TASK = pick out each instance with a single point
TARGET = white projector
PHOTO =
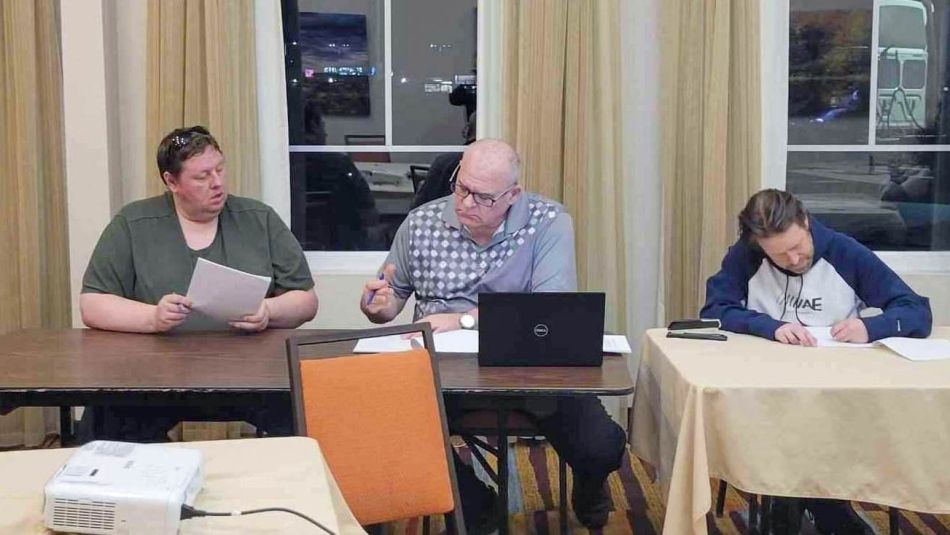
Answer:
(116, 488)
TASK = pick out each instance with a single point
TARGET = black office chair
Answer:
(762, 523)
(502, 421)
(418, 174)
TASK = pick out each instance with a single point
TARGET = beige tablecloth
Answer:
(239, 474)
(859, 424)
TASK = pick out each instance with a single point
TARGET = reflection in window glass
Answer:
(434, 56)
(334, 63)
(885, 200)
(829, 72)
(912, 61)
(355, 201)
(903, 25)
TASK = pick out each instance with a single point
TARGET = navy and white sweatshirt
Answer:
(750, 294)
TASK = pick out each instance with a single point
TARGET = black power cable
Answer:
(188, 511)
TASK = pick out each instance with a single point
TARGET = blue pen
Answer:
(372, 293)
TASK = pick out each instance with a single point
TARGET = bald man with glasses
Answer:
(491, 236)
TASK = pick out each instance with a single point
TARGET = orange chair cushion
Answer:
(377, 420)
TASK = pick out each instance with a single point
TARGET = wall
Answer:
(339, 303)
(86, 123)
(935, 286)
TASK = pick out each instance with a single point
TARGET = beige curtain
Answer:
(34, 267)
(202, 70)
(562, 112)
(711, 138)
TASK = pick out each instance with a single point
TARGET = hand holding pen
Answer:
(378, 294)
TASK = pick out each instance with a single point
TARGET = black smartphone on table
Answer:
(717, 337)
(682, 325)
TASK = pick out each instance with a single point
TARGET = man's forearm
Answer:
(115, 313)
(289, 310)
(387, 314)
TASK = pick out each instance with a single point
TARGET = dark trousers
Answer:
(152, 423)
(831, 516)
(581, 432)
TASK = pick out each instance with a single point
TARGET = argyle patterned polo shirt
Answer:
(437, 260)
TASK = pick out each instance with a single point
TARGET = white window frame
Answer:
(275, 186)
(774, 28)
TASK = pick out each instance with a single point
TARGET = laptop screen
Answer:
(541, 329)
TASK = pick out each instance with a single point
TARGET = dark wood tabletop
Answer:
(81, 365)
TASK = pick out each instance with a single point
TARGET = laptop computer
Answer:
(540, 329)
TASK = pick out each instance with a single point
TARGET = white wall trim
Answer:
(906, 262)
(85, 121)
(345, 262)
(773, 31)
(488, 114)
(272, 108)
(868, 148)
(640, 67)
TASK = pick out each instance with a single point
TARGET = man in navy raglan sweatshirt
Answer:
(788, 271)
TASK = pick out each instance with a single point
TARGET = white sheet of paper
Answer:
(460, 341)
(917, 348)
(823, 335)
(225, 293)
(616, 343)
(383, 344)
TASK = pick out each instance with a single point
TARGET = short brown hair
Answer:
(181, 144)
(770, 212)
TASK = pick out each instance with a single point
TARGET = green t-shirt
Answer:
(142, 254)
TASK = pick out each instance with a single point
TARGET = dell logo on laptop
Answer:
(541, 330)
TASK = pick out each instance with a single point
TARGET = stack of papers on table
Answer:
(909, 348)
(823, 335)
(459, 341)
(918, 348)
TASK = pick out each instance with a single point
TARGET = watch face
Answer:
(467, 321)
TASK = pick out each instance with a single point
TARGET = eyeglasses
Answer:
(179, 140)
(481, 199)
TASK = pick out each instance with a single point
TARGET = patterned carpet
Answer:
(637, 503)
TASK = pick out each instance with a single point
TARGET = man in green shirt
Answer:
(140, 270)
(142, 265)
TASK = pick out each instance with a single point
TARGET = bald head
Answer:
(494, 161)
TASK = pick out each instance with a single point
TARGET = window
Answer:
(381, 97)
(868, 148)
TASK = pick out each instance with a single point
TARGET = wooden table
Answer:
(72, 367)
(238, 474)
(81, 367)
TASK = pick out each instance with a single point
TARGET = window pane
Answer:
(885, 200)
(433, 55)
(334, 63)
(355, 201)
(829, 72)
(912, 69)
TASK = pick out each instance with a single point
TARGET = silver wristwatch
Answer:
(467, 321)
